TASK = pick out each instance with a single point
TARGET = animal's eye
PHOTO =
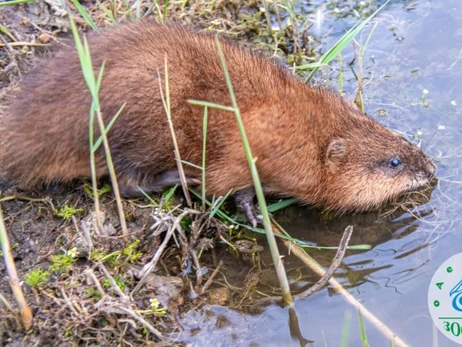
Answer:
(395, 163)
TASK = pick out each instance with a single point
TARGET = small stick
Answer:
(20, 44)
(142, 321)
(346, 295)
(25, 198)
(166, 102)
(13, 279)
(91, 274)
(68, 302)
(6, 303)
(86, 234)
(204, 153)
(114, 285)
(342, 247)
(112, 174)
(324, 279)
(152, 264)
(212, 276)
(198, 270)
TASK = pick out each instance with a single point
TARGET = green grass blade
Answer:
(362, 247)
(212, 105)
(369, 37)
(108, 127)
(100, 77)
(324, 339)
(93, 86)
(362, 330)
(85, 62)
(154, 3)
(340, 76)
(85, 15)
(343, 42)
(7, 33)
(345, 330)
(309, 66)
(281, 204)
(304, 244)
(298, 242)
(151, 200)
(277, 261)
(78, 41)
(89, 72)
(165, 12)
(15, 2)
(128, 9)
(169, 195)
(217, 207)
(83, 58)
(289, 8)
(191, 164)
(107, 13)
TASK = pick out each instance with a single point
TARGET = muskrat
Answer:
(310, 143)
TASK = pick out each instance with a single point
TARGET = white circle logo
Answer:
(445, 298)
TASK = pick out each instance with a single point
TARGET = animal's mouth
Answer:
(417, 191)
(420, 182)
(422, 178)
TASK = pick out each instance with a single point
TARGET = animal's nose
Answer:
(431, 170)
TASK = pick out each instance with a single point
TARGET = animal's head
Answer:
(366, 165)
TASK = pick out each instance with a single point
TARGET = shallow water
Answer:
(417, 45)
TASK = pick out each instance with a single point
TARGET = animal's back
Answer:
(46, 135)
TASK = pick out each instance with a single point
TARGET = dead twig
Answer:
(198, 269)
(166, 103)
(114, 285)
(300, 253)
(111, 306)
(91, 276)
(13, 279)
(21, 44)
(211, 278)
(152, 264)
(324, 279)
(342, 247)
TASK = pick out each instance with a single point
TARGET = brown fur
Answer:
(310, 143)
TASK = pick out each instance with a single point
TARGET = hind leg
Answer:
(129, 186)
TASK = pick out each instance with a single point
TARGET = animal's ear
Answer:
(336, 150)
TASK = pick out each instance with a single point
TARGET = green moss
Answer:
(60, 263)
(131, 252)
(37, 277)
(106, 188)
(66, 212)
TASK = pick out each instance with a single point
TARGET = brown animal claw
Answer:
(244, 202)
